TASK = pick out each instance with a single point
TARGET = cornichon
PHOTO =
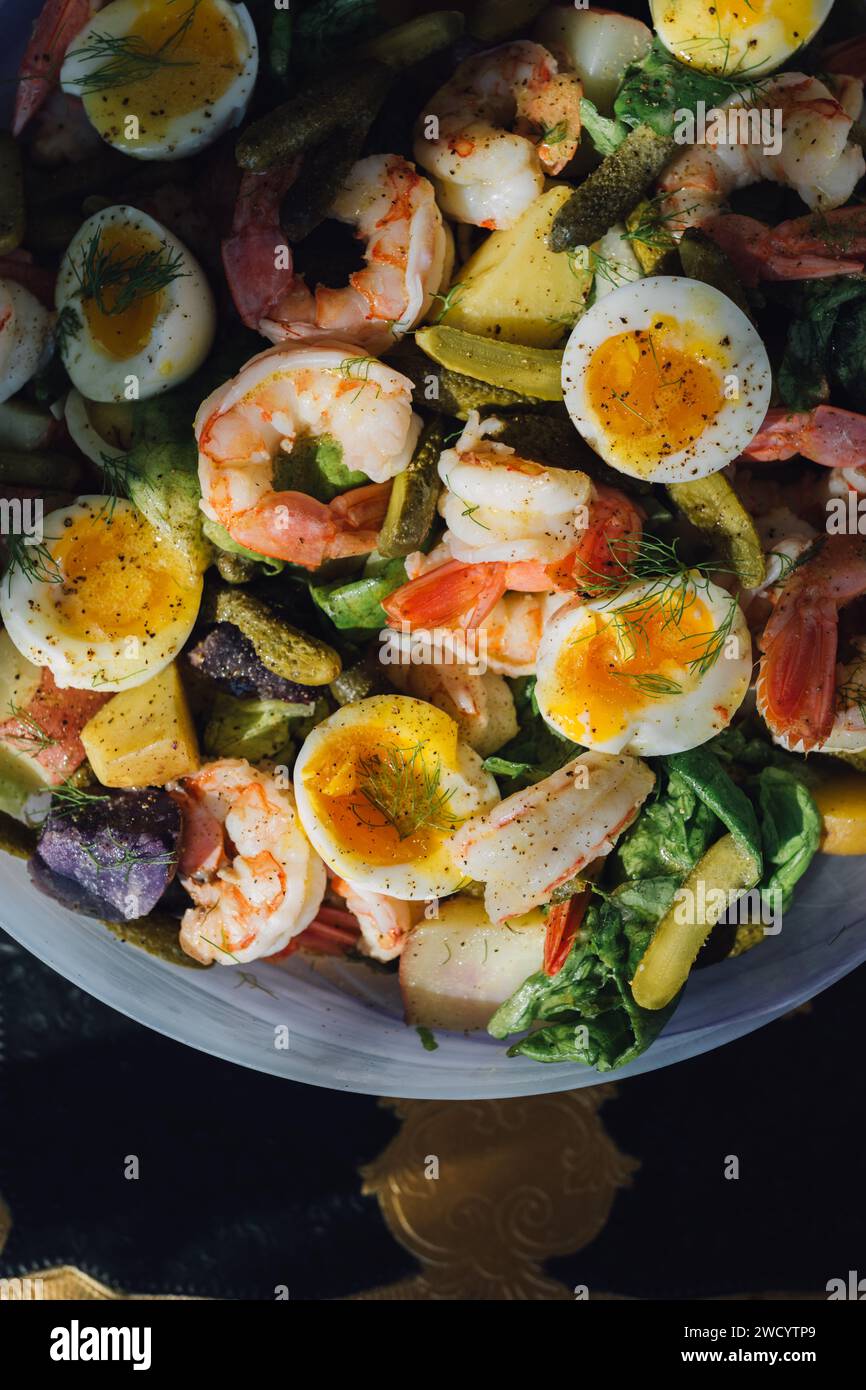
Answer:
(357, 682)
(649, 239)
(712, 506)
(701, 259)
(415, 40)
(453, 393)
(530, 371)
(719, 877)
(39, 468)
(415, 491)
(282, 648)
(495, 19)
(611, 190)
(11, 194)
(319, 180)
(344, 100)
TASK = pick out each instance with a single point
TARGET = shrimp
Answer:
(385, 922)
(539, 838)
(393, 210)
(814, 154)
(281, 395)
(256, 257)
(827, 435)
(505, 119)
(797, 681)
(805, 248)
(246, 863)
(58, 23)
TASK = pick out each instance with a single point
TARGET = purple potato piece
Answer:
(117, 853)
(229, 659)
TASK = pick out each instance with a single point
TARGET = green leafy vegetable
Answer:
(817, 342)
(702, 772)
(659, 85)
(790, 831)
(252, 729)
(162, 481)
(358, 606)
(535, 751)
(606, 134)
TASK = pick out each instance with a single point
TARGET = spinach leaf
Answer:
(659, 85)
(848, 352)
(535, 751)
(588, 1006)
(790, 830)
(811, 347)
(701, 770)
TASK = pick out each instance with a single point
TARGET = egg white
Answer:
(25, 337)
(650, 723)
(183, 330)
(391, 721)
(94, 444)
(29, 607)
(183, 134)
(731, 36)
(704, 315)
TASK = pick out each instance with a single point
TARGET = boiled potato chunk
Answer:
(457, 968)
(841, 799)
(143, 737)
(515, 288)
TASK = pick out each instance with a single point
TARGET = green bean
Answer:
(611, 190)
(345, 100)
(11, 195)
(416, 40)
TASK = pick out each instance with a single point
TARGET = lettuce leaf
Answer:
(817, 336)
(790, 831)
(535, 751)
(357, 606)
(654, 89)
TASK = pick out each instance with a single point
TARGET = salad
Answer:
(432, 452)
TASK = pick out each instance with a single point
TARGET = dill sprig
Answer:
(130, 277)
(554, 134)
(655, 229)
(469, 508)
(669, 588)
(33, 560)
(407, 793)
(68, 326)
(121, 59)
(358, 369)
(448, 300)
(129, 858)
(650, 682)
(117, 473)
(69, 798)
(32, 738)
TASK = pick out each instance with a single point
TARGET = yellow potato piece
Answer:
(515, 288)
(143, 737)
(841, 799)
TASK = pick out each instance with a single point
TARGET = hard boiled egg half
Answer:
(160, 79)
(659, 668)
(136, 314)
(380, 788)
(25, 337)
(732, 37)
(106, 604)
(667, 379)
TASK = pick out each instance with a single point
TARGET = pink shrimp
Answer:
(827, 435)
(804, 248)
(256, 257)
(57, 25)
(284, 394)
(462, 595)
(797, 684)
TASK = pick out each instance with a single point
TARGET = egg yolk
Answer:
(125, 332)
(652, 396)
(199, 51)
(715, 34)
(613, 667)
(379, 798)
(118, 581)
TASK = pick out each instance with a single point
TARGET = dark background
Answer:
(248, 1181)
